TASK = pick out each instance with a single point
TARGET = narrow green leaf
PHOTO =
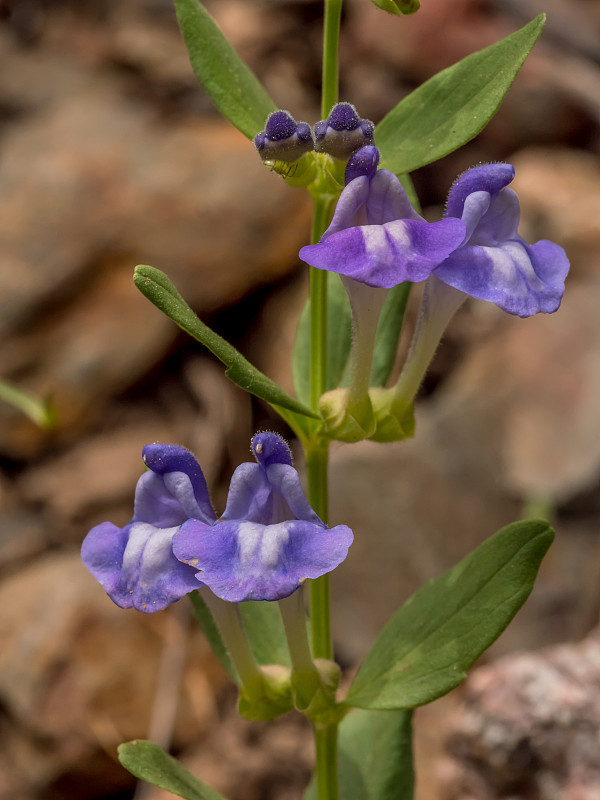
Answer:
(209, 628)
(423, 651)
(265, 632)
(41, 412)
(149, 762)
(388, 333)
(233, 87)
(339, 340)
(155, 285)
(375, 757)
(451, 108)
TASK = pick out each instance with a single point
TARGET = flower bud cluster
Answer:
(339, 136)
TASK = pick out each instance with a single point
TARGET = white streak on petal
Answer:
(377, 245)
(147, 554)
(274, 540)
(398, 235)
(249, 539)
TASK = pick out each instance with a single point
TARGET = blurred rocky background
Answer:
(111, 155)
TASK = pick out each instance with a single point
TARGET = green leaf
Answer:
(388, 334)
(375, 757)
(155, 285)
(209, 628)
(398, 7)
(41, 412)
(265, 632)
(339, 340)
(232, 86)
(149, 762)
(423, 651)
(451, 108)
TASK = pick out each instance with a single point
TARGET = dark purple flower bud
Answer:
(364, 162)
(283, 139)
(343, 132)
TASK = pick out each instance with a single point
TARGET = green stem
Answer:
(318, 309)
(326, 766)
(317, 452)
(316, 465)
(331, 38)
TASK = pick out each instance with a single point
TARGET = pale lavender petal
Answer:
(102, 554)
(490, 178)
(155, 504)
(136, 566)
(351, 201)
(188, 487)
(387, 200)
(151, 577)
(386, 255)
(270, 491)
(250, 495)
(243, 560)
(286, 483)
(498, 222)
(521, 279)
(474, 208)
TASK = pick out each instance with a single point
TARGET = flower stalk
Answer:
(438, 305)
(228, 620)
(305, 676)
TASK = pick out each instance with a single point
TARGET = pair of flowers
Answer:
(267, 542)
(376, 238)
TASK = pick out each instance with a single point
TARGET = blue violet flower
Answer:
(269, 539)
(135, 564)
(494, 263)
(376, 237)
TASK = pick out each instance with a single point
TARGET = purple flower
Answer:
(269, 539)
(135, 564)
(343, 132)
(494, 263)
(376, 237)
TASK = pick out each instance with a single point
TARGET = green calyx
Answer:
(344, 421)
(272, 698)
(315, 693)
(321, 174)
(392, 423)
(376, 417)
(299, 173)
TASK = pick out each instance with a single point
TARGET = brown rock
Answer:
(114, 188)
(78, 675)
(529, 395)
(528, 727)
